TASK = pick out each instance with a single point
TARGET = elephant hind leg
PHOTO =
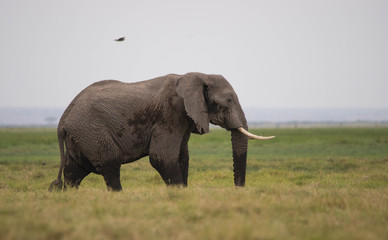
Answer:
(111, 174)
(74, 173)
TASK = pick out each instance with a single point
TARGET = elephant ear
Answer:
(191, 87)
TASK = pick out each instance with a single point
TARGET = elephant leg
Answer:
(184, 163)
(111, 174)
(184, 159)
(73, 172)
(164, 157)
(169, 155)
(169, 170)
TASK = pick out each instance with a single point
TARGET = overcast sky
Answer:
(276, 54)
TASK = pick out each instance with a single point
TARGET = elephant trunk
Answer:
(240, 148)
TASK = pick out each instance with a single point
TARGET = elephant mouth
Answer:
(221, 121)
(250, 135)
(224, 121)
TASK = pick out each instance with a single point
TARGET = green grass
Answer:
(304, 184)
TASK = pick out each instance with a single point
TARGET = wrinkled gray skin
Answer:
(112, 123)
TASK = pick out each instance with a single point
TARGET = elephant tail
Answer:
(58, 183)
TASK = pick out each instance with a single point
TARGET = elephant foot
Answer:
(113, 184)
(56, 185)
(111, 174)
(176, 185)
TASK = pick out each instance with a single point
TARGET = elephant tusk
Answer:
(253, 136)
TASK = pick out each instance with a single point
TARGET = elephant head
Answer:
(211, 99)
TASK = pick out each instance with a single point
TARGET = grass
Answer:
(304, 184)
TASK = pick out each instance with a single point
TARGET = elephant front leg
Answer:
(184, 162)
(168, 168)
(166, 157)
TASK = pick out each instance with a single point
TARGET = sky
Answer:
(276, 54)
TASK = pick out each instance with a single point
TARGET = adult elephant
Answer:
(111, 123)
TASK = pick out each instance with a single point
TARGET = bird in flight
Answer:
(120, 39)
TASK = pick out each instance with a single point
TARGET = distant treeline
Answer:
(260, 117)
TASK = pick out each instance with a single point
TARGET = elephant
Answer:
(111, 123)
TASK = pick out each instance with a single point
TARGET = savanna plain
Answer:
(316, 183)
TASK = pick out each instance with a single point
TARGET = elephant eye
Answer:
(229, 100)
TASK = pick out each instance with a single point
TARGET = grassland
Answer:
(305, 184)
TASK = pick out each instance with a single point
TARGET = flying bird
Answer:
(120, 39)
